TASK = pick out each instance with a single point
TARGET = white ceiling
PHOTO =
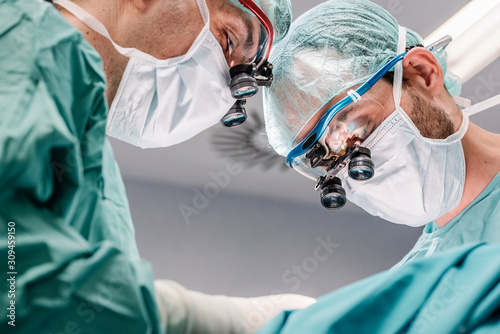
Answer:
(190, 164)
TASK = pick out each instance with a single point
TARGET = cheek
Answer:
(382, 93)
(407, 103)
(171, 34)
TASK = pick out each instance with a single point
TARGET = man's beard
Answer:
(433, 122)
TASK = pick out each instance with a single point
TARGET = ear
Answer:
(423, 72)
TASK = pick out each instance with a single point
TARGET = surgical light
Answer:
(475, 30)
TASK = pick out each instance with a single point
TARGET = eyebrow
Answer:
(352, 107)
(249, 43)
(344, 111)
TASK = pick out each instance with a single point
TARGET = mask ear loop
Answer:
(205, 14)
(398, 73)
(462, 102)
(483, 105)
(93, 23)
(90, 21)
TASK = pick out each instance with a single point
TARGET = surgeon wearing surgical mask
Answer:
(372, 116)
(163, 72)
(176, 68)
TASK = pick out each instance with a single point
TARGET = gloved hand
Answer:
(190, 312)
(257, 311)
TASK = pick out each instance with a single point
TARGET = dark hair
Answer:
(389, 77)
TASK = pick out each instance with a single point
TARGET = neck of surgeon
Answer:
(424, 77)
(482, 159)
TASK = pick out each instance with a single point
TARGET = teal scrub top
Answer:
(76, 264)
(479, 222)
(453, 292)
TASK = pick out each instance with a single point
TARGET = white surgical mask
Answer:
(417, 179)
(160, 103)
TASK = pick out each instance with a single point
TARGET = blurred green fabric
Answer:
(77, 264)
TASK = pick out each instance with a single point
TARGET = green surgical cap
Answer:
(279, 13)
(329, 49)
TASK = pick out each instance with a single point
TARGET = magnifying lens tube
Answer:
(361, 165)
(332, 194)
(245, 80)
(361, 168)
(236, 115)
(243, 83)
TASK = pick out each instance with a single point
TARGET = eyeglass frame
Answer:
(353, 95)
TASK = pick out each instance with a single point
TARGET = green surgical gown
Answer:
(77, 268)
(457, 291)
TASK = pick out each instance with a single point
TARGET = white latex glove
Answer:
(190, 312)
(257, 311)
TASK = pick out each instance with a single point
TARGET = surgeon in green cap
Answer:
(361, 107)
(70, 260)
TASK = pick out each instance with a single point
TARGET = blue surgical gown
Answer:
(77, 268)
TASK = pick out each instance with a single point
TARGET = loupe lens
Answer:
(361, 173)
(333, 195)
(243, 84)
(244, 91)
(361, 167)
(234, 120)
(333, 200)
(236, 115)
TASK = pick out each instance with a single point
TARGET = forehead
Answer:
(299, 88)
(307, 79)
